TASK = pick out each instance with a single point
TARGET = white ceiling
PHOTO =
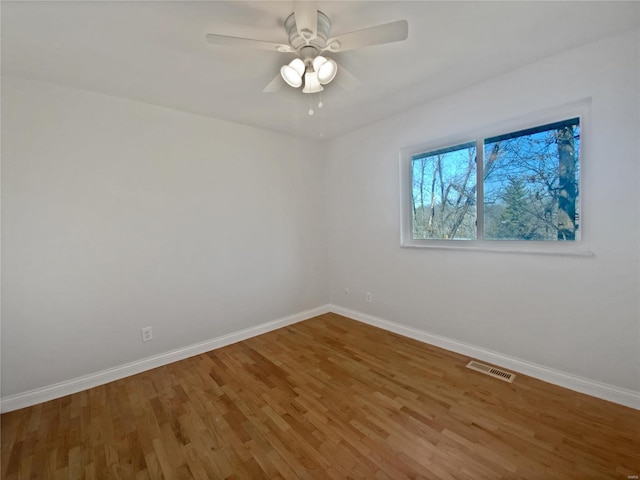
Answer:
(155, 52)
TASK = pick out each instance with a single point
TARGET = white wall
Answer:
(576, 314)
(117, 215)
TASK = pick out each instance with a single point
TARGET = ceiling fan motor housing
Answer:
(308, 49)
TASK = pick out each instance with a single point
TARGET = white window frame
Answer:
(580, 109)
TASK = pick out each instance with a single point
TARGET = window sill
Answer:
(504, 247)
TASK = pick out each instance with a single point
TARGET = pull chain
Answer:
(310, 107)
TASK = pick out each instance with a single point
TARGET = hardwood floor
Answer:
(328, 398)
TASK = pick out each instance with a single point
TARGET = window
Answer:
(528, 198)
(444, 193)
(531, 183)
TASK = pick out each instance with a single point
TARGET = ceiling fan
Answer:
(308, 32)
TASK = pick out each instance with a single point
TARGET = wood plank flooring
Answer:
(328, 398)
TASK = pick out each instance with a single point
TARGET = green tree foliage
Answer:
(444, 194)
(539, 167)
(516, 221)
(530, 187)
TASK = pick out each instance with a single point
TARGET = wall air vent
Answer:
(491, 371)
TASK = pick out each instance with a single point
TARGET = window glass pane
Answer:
(531, 180)
(444, 193)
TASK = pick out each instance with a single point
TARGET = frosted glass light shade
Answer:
(298, 65)
(325, 68)
(311, 83)
(318, 62)
(292, 73)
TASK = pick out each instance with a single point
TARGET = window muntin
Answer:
(536, 169)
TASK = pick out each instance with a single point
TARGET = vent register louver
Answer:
(491, 371)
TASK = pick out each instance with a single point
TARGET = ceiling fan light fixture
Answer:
(311, 83)
(318, 61)
(292, 73)
(298, 65)
(291, 76)
(326, 70)
(308, 32)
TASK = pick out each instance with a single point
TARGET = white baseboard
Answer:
(50, 392)
(622, 396)
(604, 391)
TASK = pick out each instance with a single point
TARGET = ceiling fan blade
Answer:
(386, 33)
(225, 40)
(306, 15)
(274, 85)
(346, 79)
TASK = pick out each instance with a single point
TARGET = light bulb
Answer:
(311, 111)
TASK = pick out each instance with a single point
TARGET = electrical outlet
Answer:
(147, 334)
(346, 291)
(368, 297)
